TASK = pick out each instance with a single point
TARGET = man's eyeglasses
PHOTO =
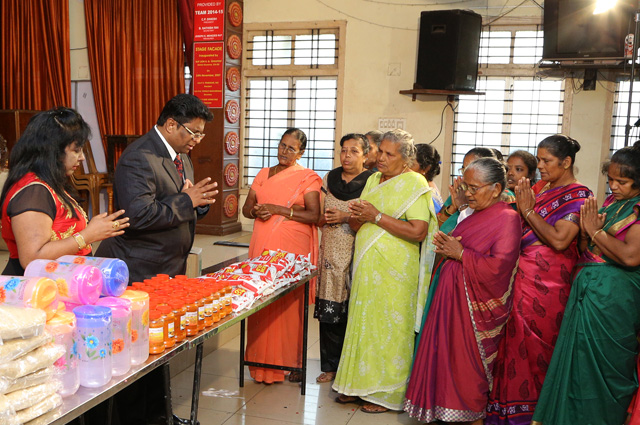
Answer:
(473, 189)
(197, 136)
(287, 149)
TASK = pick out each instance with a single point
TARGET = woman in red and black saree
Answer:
(40, 217)
(284, 201)
(592, 375)
(469, 304)
(551, 221)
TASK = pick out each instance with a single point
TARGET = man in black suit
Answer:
(154, 185)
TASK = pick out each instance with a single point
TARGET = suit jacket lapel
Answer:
(167, 162)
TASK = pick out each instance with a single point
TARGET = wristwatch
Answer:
(378, 217)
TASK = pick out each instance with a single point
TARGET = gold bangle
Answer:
(527, 214)
(445, 211)
(80, 240)
(593, 238)
(460, 257)
(291, 214)
(251, 214)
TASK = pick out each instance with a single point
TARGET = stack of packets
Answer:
(28, 377)
(263, 275)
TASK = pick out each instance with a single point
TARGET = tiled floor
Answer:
(222, 401)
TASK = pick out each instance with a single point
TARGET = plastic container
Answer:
(139, 325)
(228, 299)
(62, 327)
(77, 283)
(208, 308)
(34, 292)
(156, 332)
(93, 336)
(215, 304)
(120, 332)
(179, 311)
(115, 273)
(200, 303)
(192, 315)
(169, 325)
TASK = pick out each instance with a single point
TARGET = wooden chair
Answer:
(93, 183)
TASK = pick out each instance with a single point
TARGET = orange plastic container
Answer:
(192, 315)
(179, 311)
(156, 332)
(169, 325)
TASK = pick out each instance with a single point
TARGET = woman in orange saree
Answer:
(284, 200)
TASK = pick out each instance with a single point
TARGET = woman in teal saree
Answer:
(591, 378)
(390, 272)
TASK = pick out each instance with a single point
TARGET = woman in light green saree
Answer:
(391, 271)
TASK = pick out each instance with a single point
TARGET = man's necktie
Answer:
(179, 167)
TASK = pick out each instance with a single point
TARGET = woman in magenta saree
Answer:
(541, 288)
(452, 371)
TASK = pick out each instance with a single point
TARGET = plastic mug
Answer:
(120, 332)
(62, 327)
(34, 292)
(77, 283)
(93, 334)
(115, 273)
(139, 325)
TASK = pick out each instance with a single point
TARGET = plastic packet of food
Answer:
(38, 377)
(242, 298)
(30, 396)
(49, 403)
(39, 358)
(14, 348)
(20, 322)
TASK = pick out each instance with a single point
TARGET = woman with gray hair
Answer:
(468, 305)
(393, 216)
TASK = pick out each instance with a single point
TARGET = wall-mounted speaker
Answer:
(448, 50)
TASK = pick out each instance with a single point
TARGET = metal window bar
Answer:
(515, 113)
(307, 49)
(274, 104)
(620, 107)
(500, 46)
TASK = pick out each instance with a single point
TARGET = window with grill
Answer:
(518, 109)
(619, 121)
(292, 81)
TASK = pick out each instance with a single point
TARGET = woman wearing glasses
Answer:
(550, 211)
(40, 215)
(284, 201)
(449, 214)
(468, 305)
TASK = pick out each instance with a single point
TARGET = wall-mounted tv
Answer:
(573, 32)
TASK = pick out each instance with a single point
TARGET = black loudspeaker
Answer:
(448, 50)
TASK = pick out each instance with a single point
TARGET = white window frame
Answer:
(293, 71)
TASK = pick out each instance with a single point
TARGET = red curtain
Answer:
(34, 54)
(136, 61)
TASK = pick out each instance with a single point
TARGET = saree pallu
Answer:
(591, 378)
(387, 294)
(274, 334)
(540, 293)
(452, 372)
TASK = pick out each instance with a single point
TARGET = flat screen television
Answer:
(573, 32)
